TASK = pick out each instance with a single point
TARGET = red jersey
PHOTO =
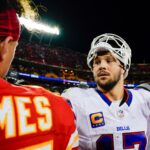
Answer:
(32, 118)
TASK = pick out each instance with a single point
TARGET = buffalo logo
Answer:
(97, 119)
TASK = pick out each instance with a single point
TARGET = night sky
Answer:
(80, 21)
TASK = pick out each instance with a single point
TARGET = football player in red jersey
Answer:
(30, 117)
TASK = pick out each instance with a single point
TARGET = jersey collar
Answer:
(126, 99)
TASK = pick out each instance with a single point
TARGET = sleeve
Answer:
(67, 94)
(73, 142)
(144, 91)
(146, 101)
(73, 137)
(70, 98)
(148, 144)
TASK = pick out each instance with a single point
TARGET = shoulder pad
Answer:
(145, 86)
(68, 90)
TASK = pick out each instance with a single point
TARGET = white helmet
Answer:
(113, 43)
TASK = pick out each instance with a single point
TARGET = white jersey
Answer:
(104, 125)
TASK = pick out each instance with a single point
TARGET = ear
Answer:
(123, 71)
(4, 47)
(122, 68)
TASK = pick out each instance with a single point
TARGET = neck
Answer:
(116, 93)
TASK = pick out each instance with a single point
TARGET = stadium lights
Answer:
(31, 25)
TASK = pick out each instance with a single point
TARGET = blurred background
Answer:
(55, 58)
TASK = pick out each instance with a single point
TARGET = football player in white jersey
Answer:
(111, 117)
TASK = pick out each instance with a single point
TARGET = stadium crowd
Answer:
(44, 54)
(63, 63)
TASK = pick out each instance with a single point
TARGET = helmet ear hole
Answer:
(127, 66)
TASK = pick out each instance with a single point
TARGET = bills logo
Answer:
(97, 119)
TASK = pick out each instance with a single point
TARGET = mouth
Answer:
(103, 74)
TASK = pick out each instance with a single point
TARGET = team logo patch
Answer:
(97, 119)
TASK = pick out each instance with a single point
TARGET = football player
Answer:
(31, 118)
(110, 117)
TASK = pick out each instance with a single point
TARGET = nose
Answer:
(103, 64)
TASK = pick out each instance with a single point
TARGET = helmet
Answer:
(113, 43)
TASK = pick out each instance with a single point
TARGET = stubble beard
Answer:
(107, 86)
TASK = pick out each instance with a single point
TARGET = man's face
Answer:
(107, 70)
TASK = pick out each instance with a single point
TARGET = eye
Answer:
(110, 60)
(97, 62)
